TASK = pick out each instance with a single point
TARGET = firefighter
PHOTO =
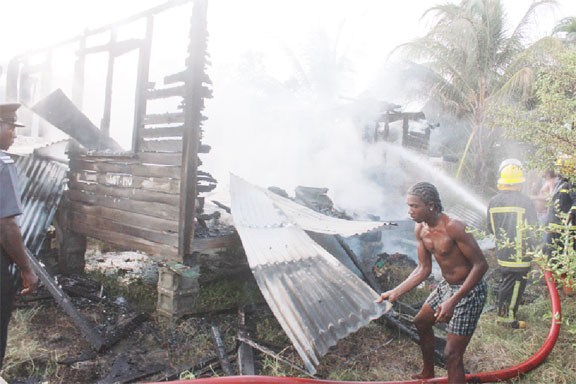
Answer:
(508, 211)
(563, 200)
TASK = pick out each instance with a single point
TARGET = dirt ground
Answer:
(46, 347)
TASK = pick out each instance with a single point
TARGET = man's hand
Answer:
(445, 312)
(29, 281)
(391, 296)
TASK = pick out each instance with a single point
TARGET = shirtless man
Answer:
(460, 296)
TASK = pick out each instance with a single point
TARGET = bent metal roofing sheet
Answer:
(316, 299)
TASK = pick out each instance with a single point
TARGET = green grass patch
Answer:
(228, 293)
(141, 296)
(26, 357)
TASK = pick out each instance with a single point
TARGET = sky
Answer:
(286, 141)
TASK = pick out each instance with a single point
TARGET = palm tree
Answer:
(567, 27)
(468, 54)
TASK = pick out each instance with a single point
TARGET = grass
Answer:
(373, 353)
(228, 293)
(141, 295)
(25, 354)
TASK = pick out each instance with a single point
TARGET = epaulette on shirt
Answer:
(6, 159)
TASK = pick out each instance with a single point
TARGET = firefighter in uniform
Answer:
(11, 245)
(563, 200)
(508, 211)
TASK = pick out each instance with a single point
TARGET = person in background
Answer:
(508, 212)
(563, 201)
(12, 248)
(543, 196)
(460, 297)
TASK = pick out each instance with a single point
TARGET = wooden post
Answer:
(12, 76)
(105, 123)
(78, 85)
(193, 105)
(46, 85)
(142, 82)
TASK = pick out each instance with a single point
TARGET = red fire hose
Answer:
(484, 377)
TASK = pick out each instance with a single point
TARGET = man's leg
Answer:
(424, 321)
(511, 289)
(454, 355)
(6, 303)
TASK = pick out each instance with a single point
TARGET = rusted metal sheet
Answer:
(59, 111)
(42, 183)
(316, 299)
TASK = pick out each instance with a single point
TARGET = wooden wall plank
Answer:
(95, 222)
(164, 118)
(157, 184)
(175, 131)
(158, 251)
(163, 211)
(163, 93)
(126, 192)
(119, 167)
(163, 145)
(129, 218)
(168, 158)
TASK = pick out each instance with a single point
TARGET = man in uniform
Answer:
(11, 244)
(508, 212)
(563, 201)
(460, 297)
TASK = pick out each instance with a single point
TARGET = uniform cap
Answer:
(8, 114)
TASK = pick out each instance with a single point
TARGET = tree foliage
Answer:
(549, 125)
(471, 60)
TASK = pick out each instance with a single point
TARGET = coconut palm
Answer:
(567, 29)
(468, 54)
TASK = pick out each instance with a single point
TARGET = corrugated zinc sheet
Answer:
(316, 299)
(310, 220)
(42, 183)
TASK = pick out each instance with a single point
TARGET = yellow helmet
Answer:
(511, 175)
(567, 164)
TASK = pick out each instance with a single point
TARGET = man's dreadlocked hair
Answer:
(427, 193)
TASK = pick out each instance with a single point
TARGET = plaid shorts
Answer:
(468, 309)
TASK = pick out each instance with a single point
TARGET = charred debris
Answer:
(149, 197)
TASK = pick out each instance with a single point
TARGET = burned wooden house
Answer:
(144, 194)
(415, 130)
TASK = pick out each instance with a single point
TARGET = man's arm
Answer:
(417, 276)
(471, 251)
(13, 244)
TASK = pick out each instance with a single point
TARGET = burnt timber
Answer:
(146, 198)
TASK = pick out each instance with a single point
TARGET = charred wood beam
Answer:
(245, 353)
(59, 111)
(162, 132)
(220, 349)
(79, 69)
(269, 352)
(105, 122)
(163, 93)
(395, 323)
(124, 330)
(368, 277)
(92, 335)
(84, 356)
(164, 118)
(142, 83)
(150, 12)
(194, 104)
(181, 76)
(116, 48)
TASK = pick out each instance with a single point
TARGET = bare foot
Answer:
(423, 375)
